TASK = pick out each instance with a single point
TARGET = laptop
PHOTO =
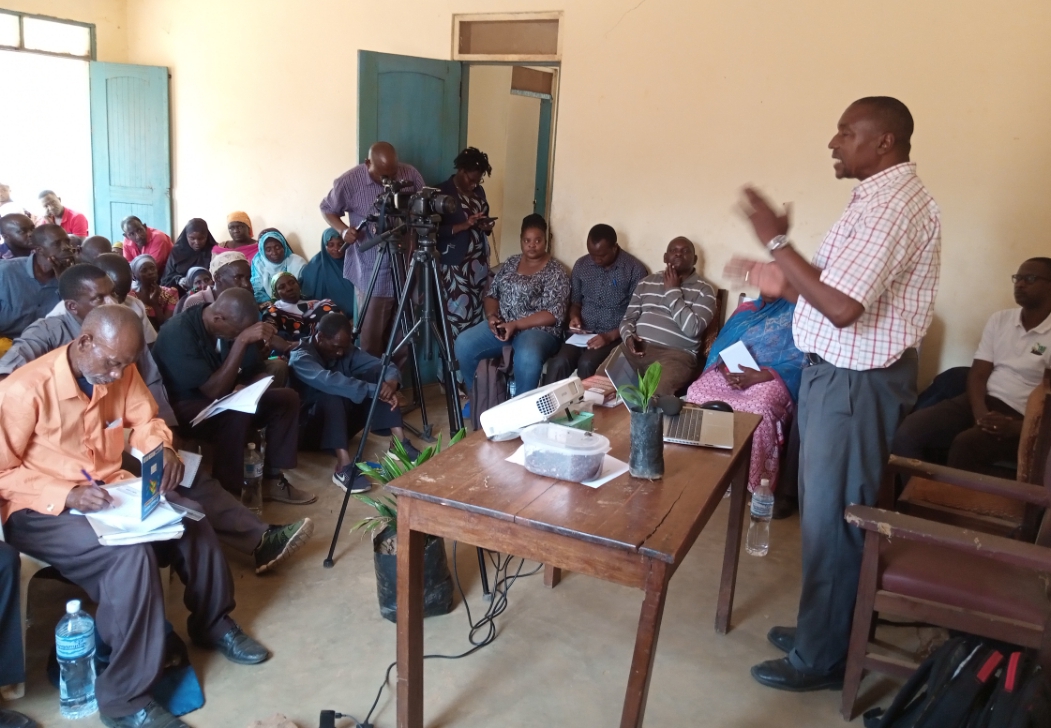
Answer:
(692, 426)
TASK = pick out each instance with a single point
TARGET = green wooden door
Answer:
(130, 146)
(543, 155)
(413, 103)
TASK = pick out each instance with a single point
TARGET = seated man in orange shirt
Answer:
(64, 414)
(55, 213)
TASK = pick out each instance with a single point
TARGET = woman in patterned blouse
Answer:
(525, 307)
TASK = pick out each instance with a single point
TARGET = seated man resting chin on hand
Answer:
(61, 415)
(667, 316)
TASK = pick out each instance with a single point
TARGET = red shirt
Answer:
(72, 222)
(158, 245)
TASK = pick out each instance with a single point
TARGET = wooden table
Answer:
(628, 531)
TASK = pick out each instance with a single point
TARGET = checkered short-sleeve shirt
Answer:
(885, 253)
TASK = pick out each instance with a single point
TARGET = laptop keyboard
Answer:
(686, 427)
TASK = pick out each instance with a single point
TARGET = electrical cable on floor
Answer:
(502, 582)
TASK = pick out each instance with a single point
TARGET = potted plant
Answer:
(646, 459)
(383, 527)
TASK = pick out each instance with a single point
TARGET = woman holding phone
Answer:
(463, 241)
(525, 307)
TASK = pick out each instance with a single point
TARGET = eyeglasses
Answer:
(1028, 280)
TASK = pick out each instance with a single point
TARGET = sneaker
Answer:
(353, 479)
(410, 449)
(280, 542)
(279, 490)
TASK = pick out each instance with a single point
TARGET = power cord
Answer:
(502, 582)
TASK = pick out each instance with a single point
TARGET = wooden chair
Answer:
(950, 576)
(988, 512)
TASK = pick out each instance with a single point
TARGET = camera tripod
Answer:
(429, 322)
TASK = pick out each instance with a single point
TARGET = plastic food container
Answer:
(564, 452)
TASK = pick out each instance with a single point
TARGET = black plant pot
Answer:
(437, 581)
(646, 458)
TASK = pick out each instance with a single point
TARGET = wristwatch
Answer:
(777, 242)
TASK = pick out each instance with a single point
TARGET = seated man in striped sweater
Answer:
(667, 316)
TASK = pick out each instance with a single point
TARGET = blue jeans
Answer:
(532, 348)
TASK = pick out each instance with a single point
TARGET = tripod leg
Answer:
(368, 297)
(406, 323)
(384, 363)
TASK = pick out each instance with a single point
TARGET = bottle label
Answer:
(74, 646)
(762, 507)
(253, 470)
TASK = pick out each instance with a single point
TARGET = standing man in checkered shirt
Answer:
(863, 306)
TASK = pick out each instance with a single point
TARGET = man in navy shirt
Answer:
(603, 281)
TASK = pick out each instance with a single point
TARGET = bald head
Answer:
(93, 247)
(110, 340)
(382, 161)
(119, 272)
(234, 311)
(17, 230)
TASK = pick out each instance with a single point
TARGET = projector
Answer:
(506, 420)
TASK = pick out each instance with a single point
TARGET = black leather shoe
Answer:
(783, 638)
(780, 674)
(14, 719)
(152, 716)
(238, 647)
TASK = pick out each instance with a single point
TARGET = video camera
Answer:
(421, 211)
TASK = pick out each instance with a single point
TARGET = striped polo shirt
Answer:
(672, 317)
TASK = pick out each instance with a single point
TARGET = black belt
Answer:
(813, 359)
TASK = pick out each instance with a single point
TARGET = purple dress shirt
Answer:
(354, 193)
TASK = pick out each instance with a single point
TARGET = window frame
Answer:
(21, 47)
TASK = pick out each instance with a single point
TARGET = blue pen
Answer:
(87, 475)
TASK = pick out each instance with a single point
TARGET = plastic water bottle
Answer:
(758, 541)
(252, 492)
(75, 645)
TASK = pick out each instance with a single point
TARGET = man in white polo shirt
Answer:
(982, 427)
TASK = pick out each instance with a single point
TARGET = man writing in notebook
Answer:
(65, 414)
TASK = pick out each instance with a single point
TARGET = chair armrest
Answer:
(1037, 495)
(890, 524)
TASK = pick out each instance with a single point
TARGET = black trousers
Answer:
(949, 426)
(278, 412)
(571, 359)
(12, 659)
(330, 422)
(125, 583)
(847, 419)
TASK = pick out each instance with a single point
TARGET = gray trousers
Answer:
(847, 420)
(125, 583)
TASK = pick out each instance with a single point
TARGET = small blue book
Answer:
(152, 472)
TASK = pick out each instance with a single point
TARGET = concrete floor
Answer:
(561, 657)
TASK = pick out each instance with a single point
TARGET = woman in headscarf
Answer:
(323, 275)
(239, 225)
(193, 249)
(197, 279)
(294, 316)
(274, 256)
(764, 326)
(463, 241)
(159, 300)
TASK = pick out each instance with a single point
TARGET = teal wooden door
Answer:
(130, 146)
(543, 155)
(413, 103)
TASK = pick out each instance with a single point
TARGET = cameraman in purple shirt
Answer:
(354, 194)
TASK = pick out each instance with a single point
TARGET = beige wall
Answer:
(489, 106)
(666, 108)
(109, 16)
(520, 189)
